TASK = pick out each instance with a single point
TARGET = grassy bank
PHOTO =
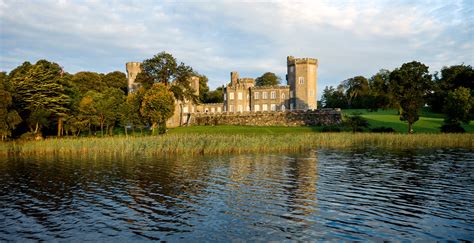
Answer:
(199, 144)
(429, 122)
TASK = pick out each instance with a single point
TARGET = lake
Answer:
(356, 194)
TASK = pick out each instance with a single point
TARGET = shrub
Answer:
(452, 128)
(383, 129)
(331, 129)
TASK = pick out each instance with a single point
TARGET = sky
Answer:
(349, 38)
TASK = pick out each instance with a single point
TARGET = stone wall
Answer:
(278, 118)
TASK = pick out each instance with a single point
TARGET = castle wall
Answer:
(133, 69)
(270, 98)
(287, 118)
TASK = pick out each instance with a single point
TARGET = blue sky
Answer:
(348, 37)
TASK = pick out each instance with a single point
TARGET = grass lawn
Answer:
(429, 122)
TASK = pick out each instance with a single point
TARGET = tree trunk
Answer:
(60, 126)
(125, 127)
(153, 128)
(101, 129)
(410, 128)
(180, 114)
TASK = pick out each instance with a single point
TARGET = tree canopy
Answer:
(267, 78)
(410, 84)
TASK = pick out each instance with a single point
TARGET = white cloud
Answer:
(349, 37)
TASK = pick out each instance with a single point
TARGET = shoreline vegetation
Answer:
(217, 144)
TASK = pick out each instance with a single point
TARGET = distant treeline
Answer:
(407, 88)
(41, 99)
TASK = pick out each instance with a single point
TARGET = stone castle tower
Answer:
(133, 69)
(302, 78)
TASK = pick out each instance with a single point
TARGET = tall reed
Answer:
(196, 144)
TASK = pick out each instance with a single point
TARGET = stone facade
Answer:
(242, 97)
(133, 69)
(278, 118)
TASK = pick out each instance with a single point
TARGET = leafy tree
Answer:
(9, 117)
(356, 90)
(203, 88)
(334, 98)
(459, 107)
(451, 78)
(158, 106)
(356, 122)
(86, 81)
(410, 84)
(39, 94)
(163, 68)
(267, 78)
(117, 80)
(379, 92)
(87, 116)
(216, 96)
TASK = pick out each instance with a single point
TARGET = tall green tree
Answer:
(203, 88)
(163, 68)
(267, 78)
(40, 95)
(9, 117)
(86, 81)
(410, 84)
(459, 106)
(452, 77)
(158, 106)
(334, 98)
(357, 88)
(117, 80)
(379, 92)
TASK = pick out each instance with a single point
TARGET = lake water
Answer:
(323, 194)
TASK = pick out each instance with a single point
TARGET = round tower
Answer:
(133, 69)
(302, 77)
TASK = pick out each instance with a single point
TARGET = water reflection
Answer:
(326, 194)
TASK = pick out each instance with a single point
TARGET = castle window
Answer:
(301, 80)
(256, 107)
(213, 109)
(239, 95)
(225, 96)
(256, 95)
(248, 108)
(264, 95)
(218, 109)
(185, 109)
(292, 94)
(283, 107)
(239, 108)
(231, 108)
(264, 107)
(273, 107)
(273, 95)
(292, 68)
(231, 96)
(283, 95)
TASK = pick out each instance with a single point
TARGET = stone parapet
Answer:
(275, 118)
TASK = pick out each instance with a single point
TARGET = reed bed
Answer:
(207, 144)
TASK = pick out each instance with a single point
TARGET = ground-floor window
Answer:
(256, 107)
(283, 107)
(231, 108)
(264, 107)
(273, 107)
(239, 108)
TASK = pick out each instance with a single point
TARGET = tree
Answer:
(86, 81)
(216, 96)
(9, 117)
(451, 78)
(459, 107)
(203, 88)
(410, 84)
(158, 106)
(117, 80)
(334, 98)
(379, 92)
(356, 90)
(39, 94)
(267, 78)
(163, 68)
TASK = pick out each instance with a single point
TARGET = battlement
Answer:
(292, 61)
(271, 87)
(133, 64)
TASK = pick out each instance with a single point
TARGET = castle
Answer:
(242, 96)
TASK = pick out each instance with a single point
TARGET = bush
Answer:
(452, 128)
(331, 129)
(383, 129)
